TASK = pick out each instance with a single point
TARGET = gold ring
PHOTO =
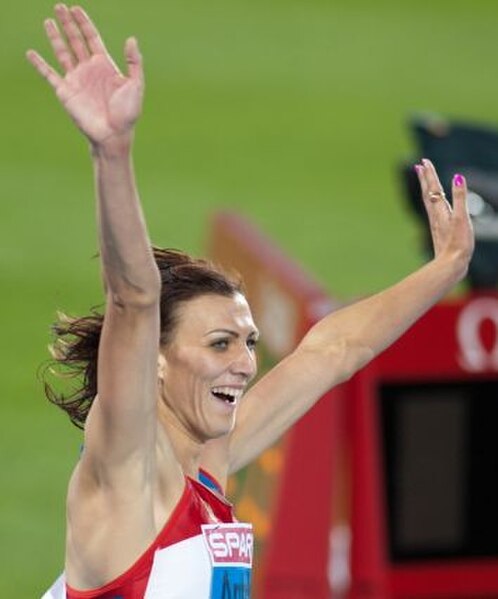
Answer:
(434, 196)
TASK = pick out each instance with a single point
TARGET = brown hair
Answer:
(76, 344)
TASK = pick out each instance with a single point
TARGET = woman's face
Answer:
(208, 364)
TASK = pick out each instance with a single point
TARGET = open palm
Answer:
(450, 224)
(102, 102)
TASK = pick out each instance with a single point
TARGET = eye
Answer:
(220, 344)
(252, 342)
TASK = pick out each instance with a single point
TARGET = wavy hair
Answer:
(76, 340)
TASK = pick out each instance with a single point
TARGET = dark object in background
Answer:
(471, 150)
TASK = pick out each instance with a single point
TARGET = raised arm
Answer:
(105, 104)
(344, 341)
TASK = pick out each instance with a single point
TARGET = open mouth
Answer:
(227, 394)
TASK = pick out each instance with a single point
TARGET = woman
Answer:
(162, 400)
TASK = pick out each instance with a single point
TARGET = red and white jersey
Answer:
(201, 553)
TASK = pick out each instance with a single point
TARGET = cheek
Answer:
(193, 365)
(208, 367)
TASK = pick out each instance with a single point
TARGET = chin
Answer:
(218, 432)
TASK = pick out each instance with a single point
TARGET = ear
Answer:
(161, 366)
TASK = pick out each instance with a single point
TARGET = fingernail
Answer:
(458, 180)
(417, 168)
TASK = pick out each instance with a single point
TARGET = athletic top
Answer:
(210, 482)
(201, 553)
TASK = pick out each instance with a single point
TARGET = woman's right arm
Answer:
(105, 105)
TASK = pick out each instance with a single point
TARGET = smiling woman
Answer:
(163, 400)
(76, 345)
(208, 364)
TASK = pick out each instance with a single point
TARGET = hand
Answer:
(451, 227)
(103, 103)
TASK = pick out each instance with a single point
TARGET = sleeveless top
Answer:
(201, 553)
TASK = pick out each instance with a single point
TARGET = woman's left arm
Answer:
(346, 340)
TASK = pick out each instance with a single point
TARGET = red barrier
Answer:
(388, 488)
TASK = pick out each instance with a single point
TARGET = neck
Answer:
(187, 449)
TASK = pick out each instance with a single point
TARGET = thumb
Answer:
(133, 59)
(459, 195)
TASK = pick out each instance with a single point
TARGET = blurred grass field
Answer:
(290, 111)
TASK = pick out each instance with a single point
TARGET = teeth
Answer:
(232, 394)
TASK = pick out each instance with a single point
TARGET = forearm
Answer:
(128, 264)
(344, 341)
(365, 328)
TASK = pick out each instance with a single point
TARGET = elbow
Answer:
(135, 300)
(358, 355)
(346, 356)
(137, 295)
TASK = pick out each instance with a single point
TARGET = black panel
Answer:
(440, 446)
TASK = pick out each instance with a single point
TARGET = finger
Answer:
(59, 46)
(459, 196)
(45, 70)
(419, 169)
(437, 211)
(431, 177)
(424, 188)
(433, 192)
(133, 59)
(90, 33)
(72, 33)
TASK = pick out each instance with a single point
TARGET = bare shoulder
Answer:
(110, 526)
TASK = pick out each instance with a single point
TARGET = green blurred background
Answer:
(290, 111)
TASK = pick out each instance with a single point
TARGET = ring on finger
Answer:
(434, 196)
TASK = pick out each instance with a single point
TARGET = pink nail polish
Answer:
(417, 168)
(458, 180)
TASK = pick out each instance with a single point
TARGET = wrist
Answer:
(455, 265)
(114, 146)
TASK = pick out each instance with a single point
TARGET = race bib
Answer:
(230, 548)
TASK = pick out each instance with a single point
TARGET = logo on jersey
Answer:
(230, 548)
(229, 544)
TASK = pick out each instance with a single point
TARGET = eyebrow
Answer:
(253, 333)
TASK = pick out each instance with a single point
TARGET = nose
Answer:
(245, 363)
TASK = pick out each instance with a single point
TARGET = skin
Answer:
(155, 419)
(213, 347)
